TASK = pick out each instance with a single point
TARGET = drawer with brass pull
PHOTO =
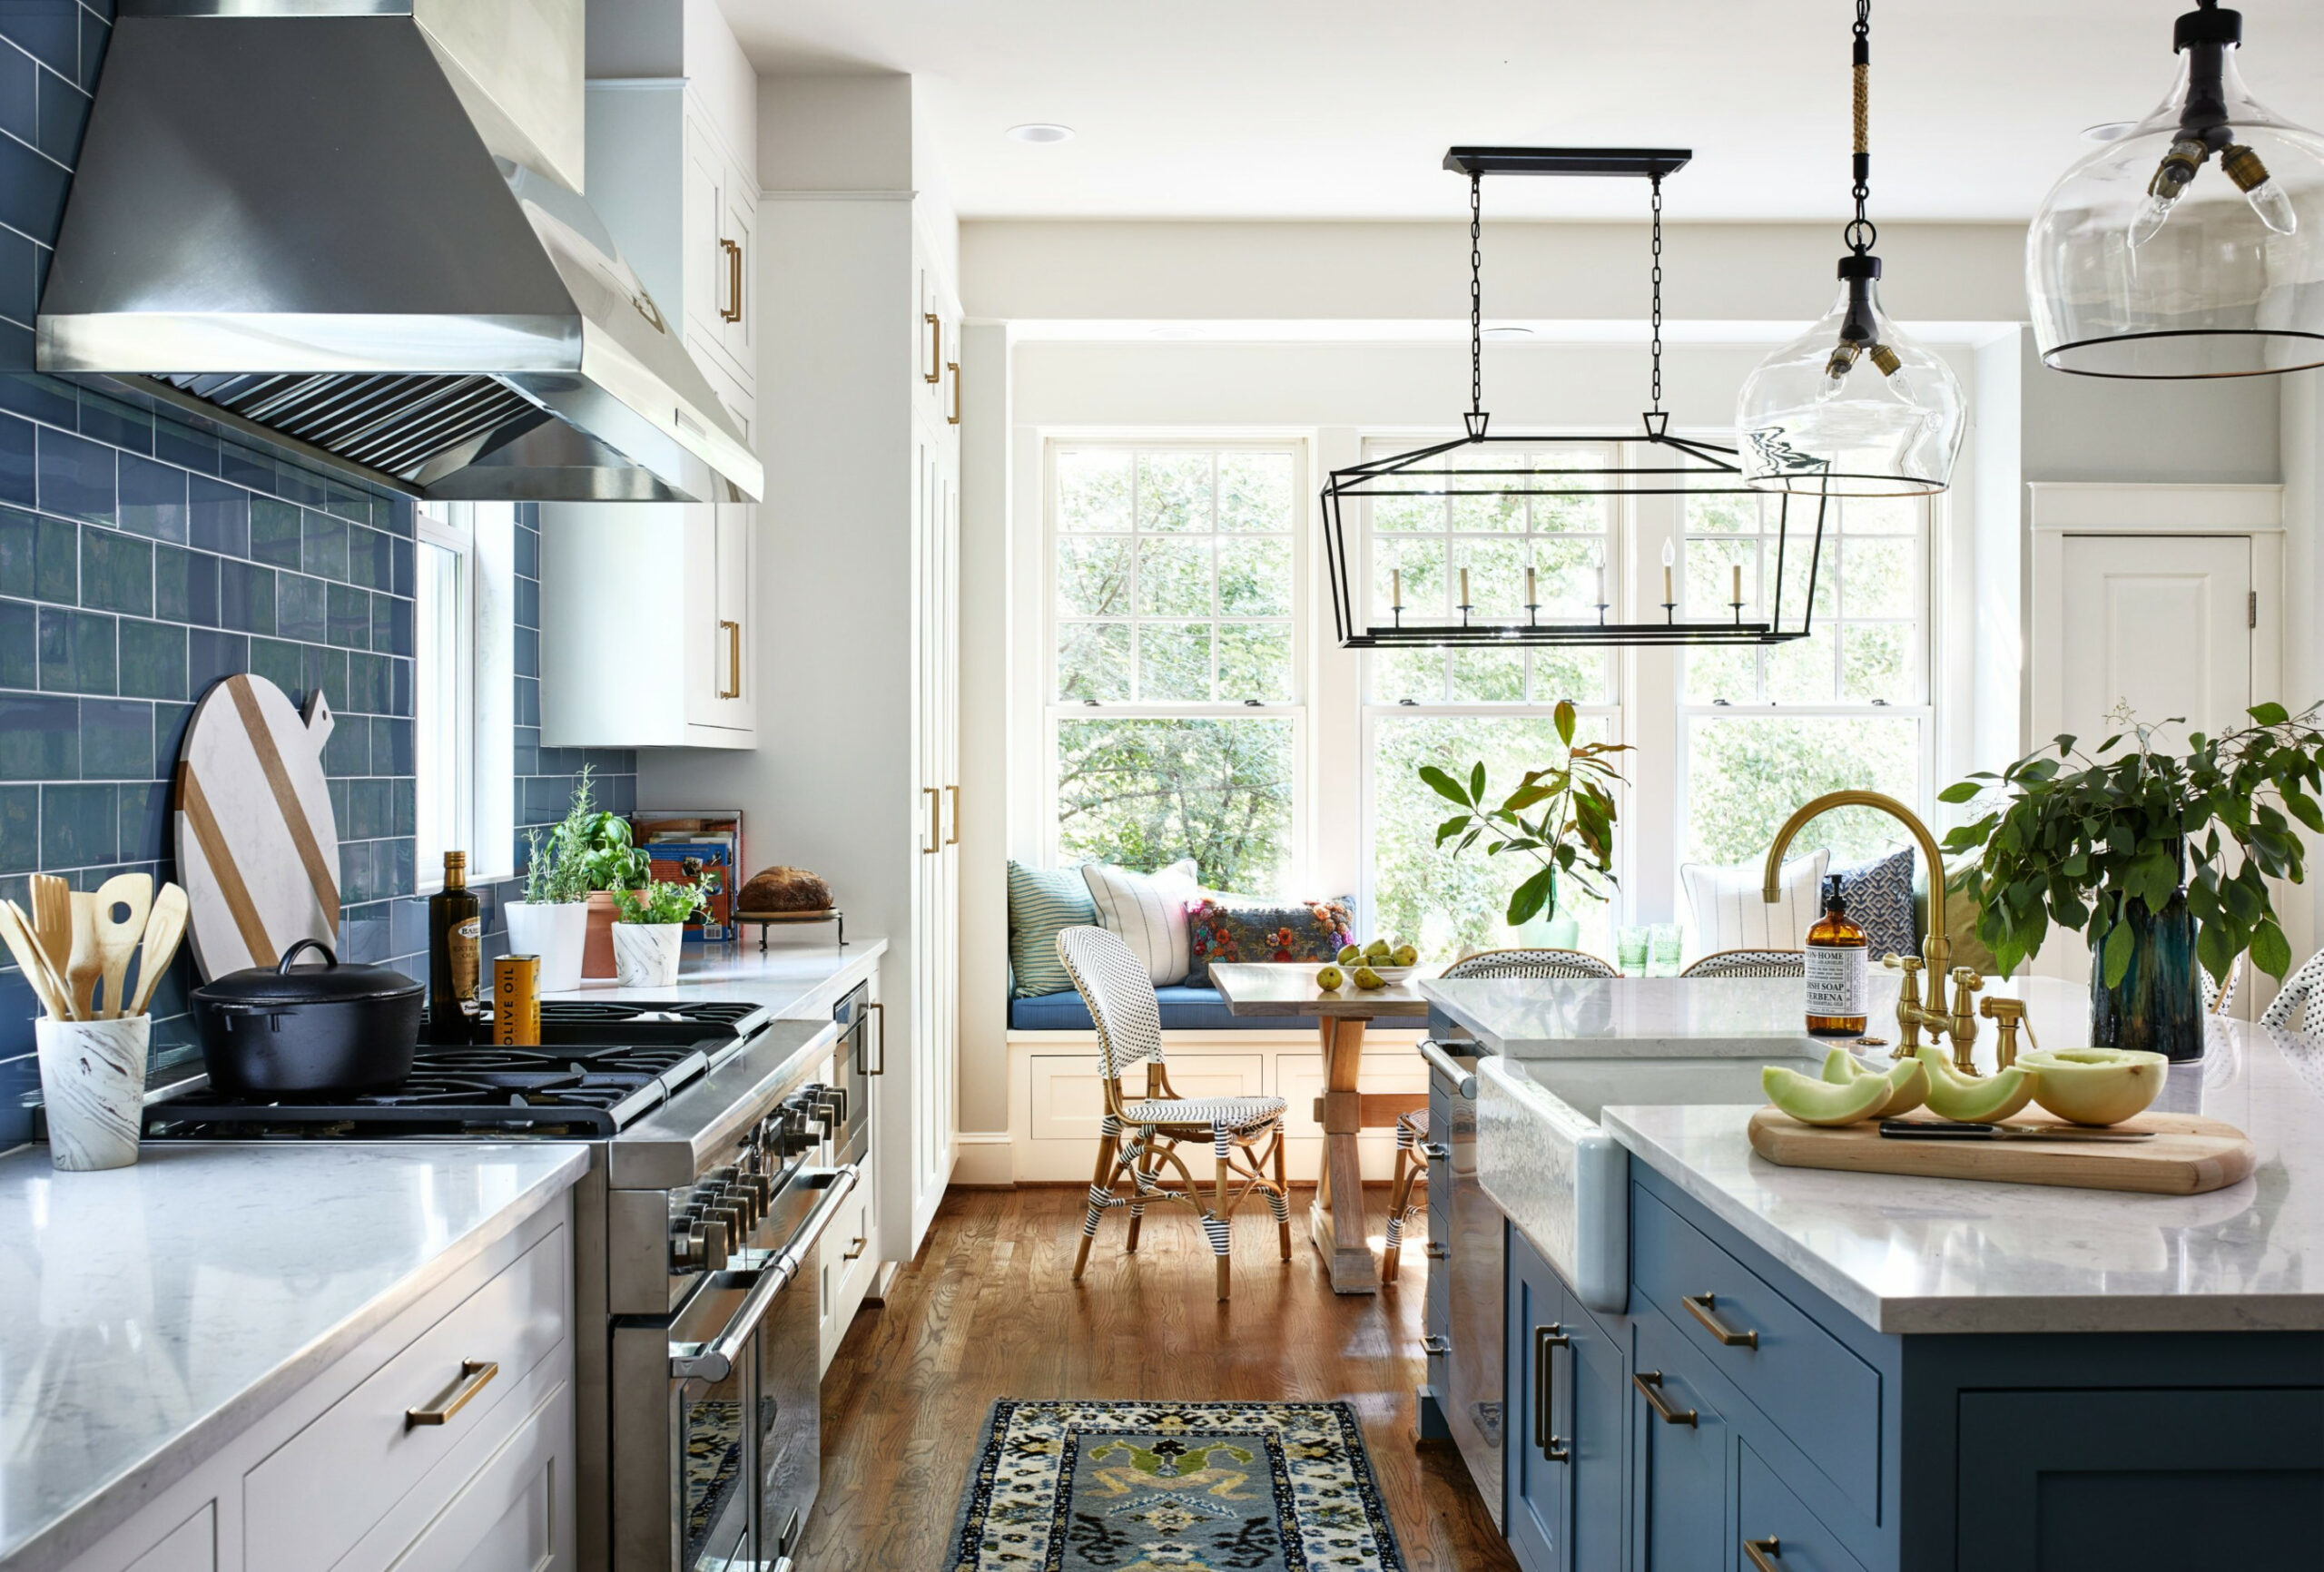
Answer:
(316, 1494)
(1776, 1530)
(1812, 1387)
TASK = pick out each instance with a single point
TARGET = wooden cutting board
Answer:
(2190, 1155)
(257, 842)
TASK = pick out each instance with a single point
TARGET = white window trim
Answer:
(1053, 710)
(482, 539)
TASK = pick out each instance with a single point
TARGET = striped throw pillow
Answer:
(1043, 903)
(1730, 914)
(1148, 912)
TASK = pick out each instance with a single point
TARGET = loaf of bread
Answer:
(784, 890)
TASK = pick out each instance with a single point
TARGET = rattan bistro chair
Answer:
(1141, 1135)
(1411, 1129)
(1750, 963)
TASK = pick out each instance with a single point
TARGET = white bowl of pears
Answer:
(1371, 966)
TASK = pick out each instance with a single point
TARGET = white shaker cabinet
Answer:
(647, 639)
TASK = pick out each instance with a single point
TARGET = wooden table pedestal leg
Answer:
(1338, 1232)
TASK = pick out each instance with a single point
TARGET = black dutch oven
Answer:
(315, 1028)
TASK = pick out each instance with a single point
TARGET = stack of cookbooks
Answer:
(684, 844)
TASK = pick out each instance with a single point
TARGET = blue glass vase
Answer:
(2158, 1006)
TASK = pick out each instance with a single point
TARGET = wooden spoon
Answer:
(83, 969)
(163, 930)
(15, 931)
(117, 940)
(51, 922)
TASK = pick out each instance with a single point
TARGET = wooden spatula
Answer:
(163, 930)
(17, 933)
(132, 895)
(51, 920)
(83, 969)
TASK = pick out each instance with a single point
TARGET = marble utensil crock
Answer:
(646, 954)
(93, 1083)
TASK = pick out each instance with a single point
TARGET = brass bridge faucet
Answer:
(1956, 1019)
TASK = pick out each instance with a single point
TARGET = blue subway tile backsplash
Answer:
(145, 553)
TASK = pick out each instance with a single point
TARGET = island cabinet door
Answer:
(1593, 1394)
(1680, 1449)
(1537, 1470)
(2140, 1480)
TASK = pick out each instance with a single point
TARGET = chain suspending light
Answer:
(1859, 329)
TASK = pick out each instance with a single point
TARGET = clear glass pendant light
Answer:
(2194, 245)
(1854, 407)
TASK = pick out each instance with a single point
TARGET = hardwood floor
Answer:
(989, 1311)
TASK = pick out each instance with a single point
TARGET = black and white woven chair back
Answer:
(1113, 983)
(1750, 963)
(1570, 964)
(2296, 1007)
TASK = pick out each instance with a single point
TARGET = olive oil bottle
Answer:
(455, 955)
(1837, 963)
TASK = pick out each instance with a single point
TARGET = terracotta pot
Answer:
(597, 944)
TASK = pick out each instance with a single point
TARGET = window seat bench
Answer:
(1183, 1010)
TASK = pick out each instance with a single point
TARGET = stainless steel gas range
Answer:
(717, 1161)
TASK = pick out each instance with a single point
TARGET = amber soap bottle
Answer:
(455, 958)
(1837, 963)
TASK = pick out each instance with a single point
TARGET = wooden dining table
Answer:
(1287, 990)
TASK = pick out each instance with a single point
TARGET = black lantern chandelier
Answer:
(1669, 465)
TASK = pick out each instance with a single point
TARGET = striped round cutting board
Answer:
(258, 847)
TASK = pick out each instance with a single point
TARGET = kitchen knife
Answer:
(1950, 1130)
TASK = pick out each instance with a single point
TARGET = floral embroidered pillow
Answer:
(1227, 930)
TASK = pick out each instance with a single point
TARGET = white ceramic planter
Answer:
(646, 954)
(92, 1083)
(555, 933)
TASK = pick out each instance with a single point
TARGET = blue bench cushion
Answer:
(1183, 1010)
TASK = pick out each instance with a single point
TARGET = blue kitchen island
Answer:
(1703, 1361)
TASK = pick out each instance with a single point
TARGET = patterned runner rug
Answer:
(1124, 1487)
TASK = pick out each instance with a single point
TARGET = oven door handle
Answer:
(714, 1361)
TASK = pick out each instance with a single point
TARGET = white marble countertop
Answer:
(794, 977)
(1944, 1256)
(149, 1313)
(1637, 1017)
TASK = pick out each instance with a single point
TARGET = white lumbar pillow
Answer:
(1729, 913)
(1148, 912)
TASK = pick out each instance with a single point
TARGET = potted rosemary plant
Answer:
(1562, 816)
(605, 862)
(2161, 859)
(649, 926)
(553, 920)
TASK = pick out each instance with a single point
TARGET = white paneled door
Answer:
(2161, 624)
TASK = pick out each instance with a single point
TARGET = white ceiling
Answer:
(1344, 108)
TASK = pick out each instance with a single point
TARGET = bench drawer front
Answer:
(312, 1499)
(1784, 1534)
(1811, 1385)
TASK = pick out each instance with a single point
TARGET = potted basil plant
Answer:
(2161, 859)
(649, 926)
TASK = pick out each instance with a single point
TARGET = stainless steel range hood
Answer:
(356, 224)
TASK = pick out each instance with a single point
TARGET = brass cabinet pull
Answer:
(877, 1009)
(935, 372)
(954, 793)
(935, 820)
(476, 1375)
(1545, 1439)
(1764, 1553)
(1701, 1305)
(1436, 1151)
(856, 1248)
(732, 310)
(1650, 1385)
(1437, 1251)
(1436, 1345)
(733, 659)
(954, 417)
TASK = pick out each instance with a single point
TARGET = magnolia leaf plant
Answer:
(2075, 835)
(1562, 817)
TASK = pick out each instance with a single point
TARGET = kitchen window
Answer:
(463, 689)
(1453, 708)
(1175, 714)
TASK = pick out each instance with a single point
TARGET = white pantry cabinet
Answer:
(647, 639)
(343, 1475)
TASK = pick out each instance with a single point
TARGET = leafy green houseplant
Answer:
(552, 920)
(1562, 816)
(649, 926)
(2161, 859)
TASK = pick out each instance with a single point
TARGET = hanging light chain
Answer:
(1861, 231)
(1654, 342)
(1476, 294)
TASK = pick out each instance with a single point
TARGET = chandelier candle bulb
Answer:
(1601, 589)
(1669, 555)
(1531, 599)
(1464, 589)
(1738, 584)
(1396, 589)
